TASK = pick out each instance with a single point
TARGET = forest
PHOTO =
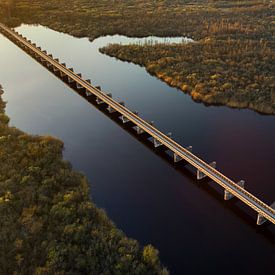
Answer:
(235, 73)
(193, 18)
(49, 225)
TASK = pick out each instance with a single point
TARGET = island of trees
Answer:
(49, 225)
(235, 73)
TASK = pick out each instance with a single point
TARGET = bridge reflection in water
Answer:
(142, 127)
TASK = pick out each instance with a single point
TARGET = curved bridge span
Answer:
(204, 169)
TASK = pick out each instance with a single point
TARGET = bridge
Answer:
(231, 188)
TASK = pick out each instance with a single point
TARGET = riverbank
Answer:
(48, 222)
(234, 73)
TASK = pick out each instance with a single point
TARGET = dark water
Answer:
(147, 196)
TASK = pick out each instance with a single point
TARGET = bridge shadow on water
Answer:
(182, 167)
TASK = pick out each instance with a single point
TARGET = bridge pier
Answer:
(228, 195)
(201, 175)
(49, 65)
(111, 109)
(124, 119)
(79, 87)
(99, 101)
(55, 69)
(157, 143)
(177, 158)
(62, 74)
(139, 130)
(88, 93)
(70, 80)
(261, 219)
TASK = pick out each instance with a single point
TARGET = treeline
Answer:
(237, 73)
(48, 223)
(196, 19)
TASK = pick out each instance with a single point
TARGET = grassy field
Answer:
(48, 223)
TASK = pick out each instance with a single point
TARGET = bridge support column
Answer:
(70, 80)
(111, 109)
(62, 74)
(261, 219)
(79, 87)
(49, 65)
(55, 69)
(88, 93)
(124, 119)
(157, 143)
(201, 175)
(177, 158)
(139, 130)
(228, 195)
(99, 101)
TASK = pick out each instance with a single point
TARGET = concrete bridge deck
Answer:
(231, 188)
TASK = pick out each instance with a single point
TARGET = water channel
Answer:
(145, 194)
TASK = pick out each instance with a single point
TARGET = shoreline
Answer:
(123, 53)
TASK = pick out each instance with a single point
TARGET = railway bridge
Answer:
(231, 188)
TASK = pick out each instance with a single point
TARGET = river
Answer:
(147, 196)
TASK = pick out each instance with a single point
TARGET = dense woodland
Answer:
(230, 63)
(193, 18)
(234, 73)
(48, 223)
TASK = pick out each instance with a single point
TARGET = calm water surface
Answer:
(148, 197)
